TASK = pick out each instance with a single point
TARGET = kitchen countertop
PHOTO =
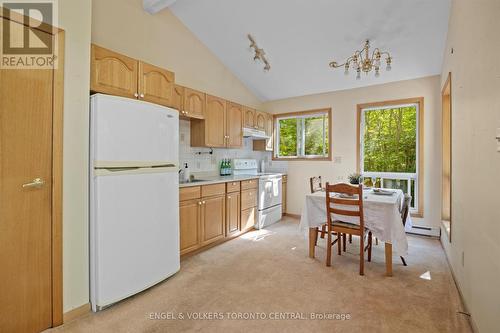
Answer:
(220, 179)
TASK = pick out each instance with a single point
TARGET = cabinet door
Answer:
(113, 73)
(189, 219)
(194, 103)
(234, 126)
(248, 217)
(177, 98)
(260, 120)
(212, 219)
(249, 117)
(233, 213)
(215, 122)
(269, 131)
(283, 197)
(156, 84)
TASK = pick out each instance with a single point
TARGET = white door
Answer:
(134, 232)
(127, 132)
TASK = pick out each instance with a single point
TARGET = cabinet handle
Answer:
(203, 202)
(199, 202)
(136, 95)
(142, 95)
(229, 197)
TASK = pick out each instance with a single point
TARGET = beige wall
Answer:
(162, 40)
(473, 35)
(74, 18)
(343, 104)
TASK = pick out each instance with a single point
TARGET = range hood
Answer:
(254, 133)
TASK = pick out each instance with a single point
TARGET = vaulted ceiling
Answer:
(300, 38)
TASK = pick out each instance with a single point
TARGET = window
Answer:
(303, 135)
(390, 145)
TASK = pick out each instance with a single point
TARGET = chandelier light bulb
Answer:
(377, 72)
(358, 76)
(389, 67)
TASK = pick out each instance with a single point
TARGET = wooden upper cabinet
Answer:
(156, 84)
(215, 122)
(234, 125)
(194, 103)
(177, 98)
(260, 120)
(113, 73)
(249, 117)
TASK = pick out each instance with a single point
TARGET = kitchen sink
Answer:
(192, 181)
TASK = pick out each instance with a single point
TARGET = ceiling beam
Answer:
(154, 6)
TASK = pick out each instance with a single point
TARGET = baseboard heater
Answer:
(425, 231)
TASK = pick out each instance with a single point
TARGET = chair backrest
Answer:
(334, 199)
(315, 183)
(406, 208)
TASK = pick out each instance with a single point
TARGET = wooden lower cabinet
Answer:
(233, 210)
(212, 213)
(213, 216)
(248, 217)
(189, 219)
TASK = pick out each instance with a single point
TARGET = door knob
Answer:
(37, 183)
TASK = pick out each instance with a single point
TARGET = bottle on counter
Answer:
(230, 168)
(222, 167)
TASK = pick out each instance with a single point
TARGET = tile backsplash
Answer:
(206, 163)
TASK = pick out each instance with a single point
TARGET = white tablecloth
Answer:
(381, 213)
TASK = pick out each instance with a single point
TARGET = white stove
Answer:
(269, 202)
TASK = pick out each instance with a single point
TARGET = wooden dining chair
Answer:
(405, 210)
(338, 197)
(315, 183)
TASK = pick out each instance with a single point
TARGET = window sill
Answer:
(329, 158)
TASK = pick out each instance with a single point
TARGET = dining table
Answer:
(382, 216)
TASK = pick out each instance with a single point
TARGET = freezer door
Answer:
(134, 233)
(127, 132)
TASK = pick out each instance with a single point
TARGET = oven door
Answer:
(269, 191)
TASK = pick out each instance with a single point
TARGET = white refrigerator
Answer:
(134, 197)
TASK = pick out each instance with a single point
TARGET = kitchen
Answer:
(175, 169)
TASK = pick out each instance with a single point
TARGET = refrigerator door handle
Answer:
(131, 171)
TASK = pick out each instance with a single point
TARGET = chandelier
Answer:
(362, 61)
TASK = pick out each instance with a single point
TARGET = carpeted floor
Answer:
(267, 274)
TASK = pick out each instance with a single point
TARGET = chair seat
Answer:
(345, 225)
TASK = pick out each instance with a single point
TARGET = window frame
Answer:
(419, 189)
(301, 114)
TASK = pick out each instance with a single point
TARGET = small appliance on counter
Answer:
(270, 191)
